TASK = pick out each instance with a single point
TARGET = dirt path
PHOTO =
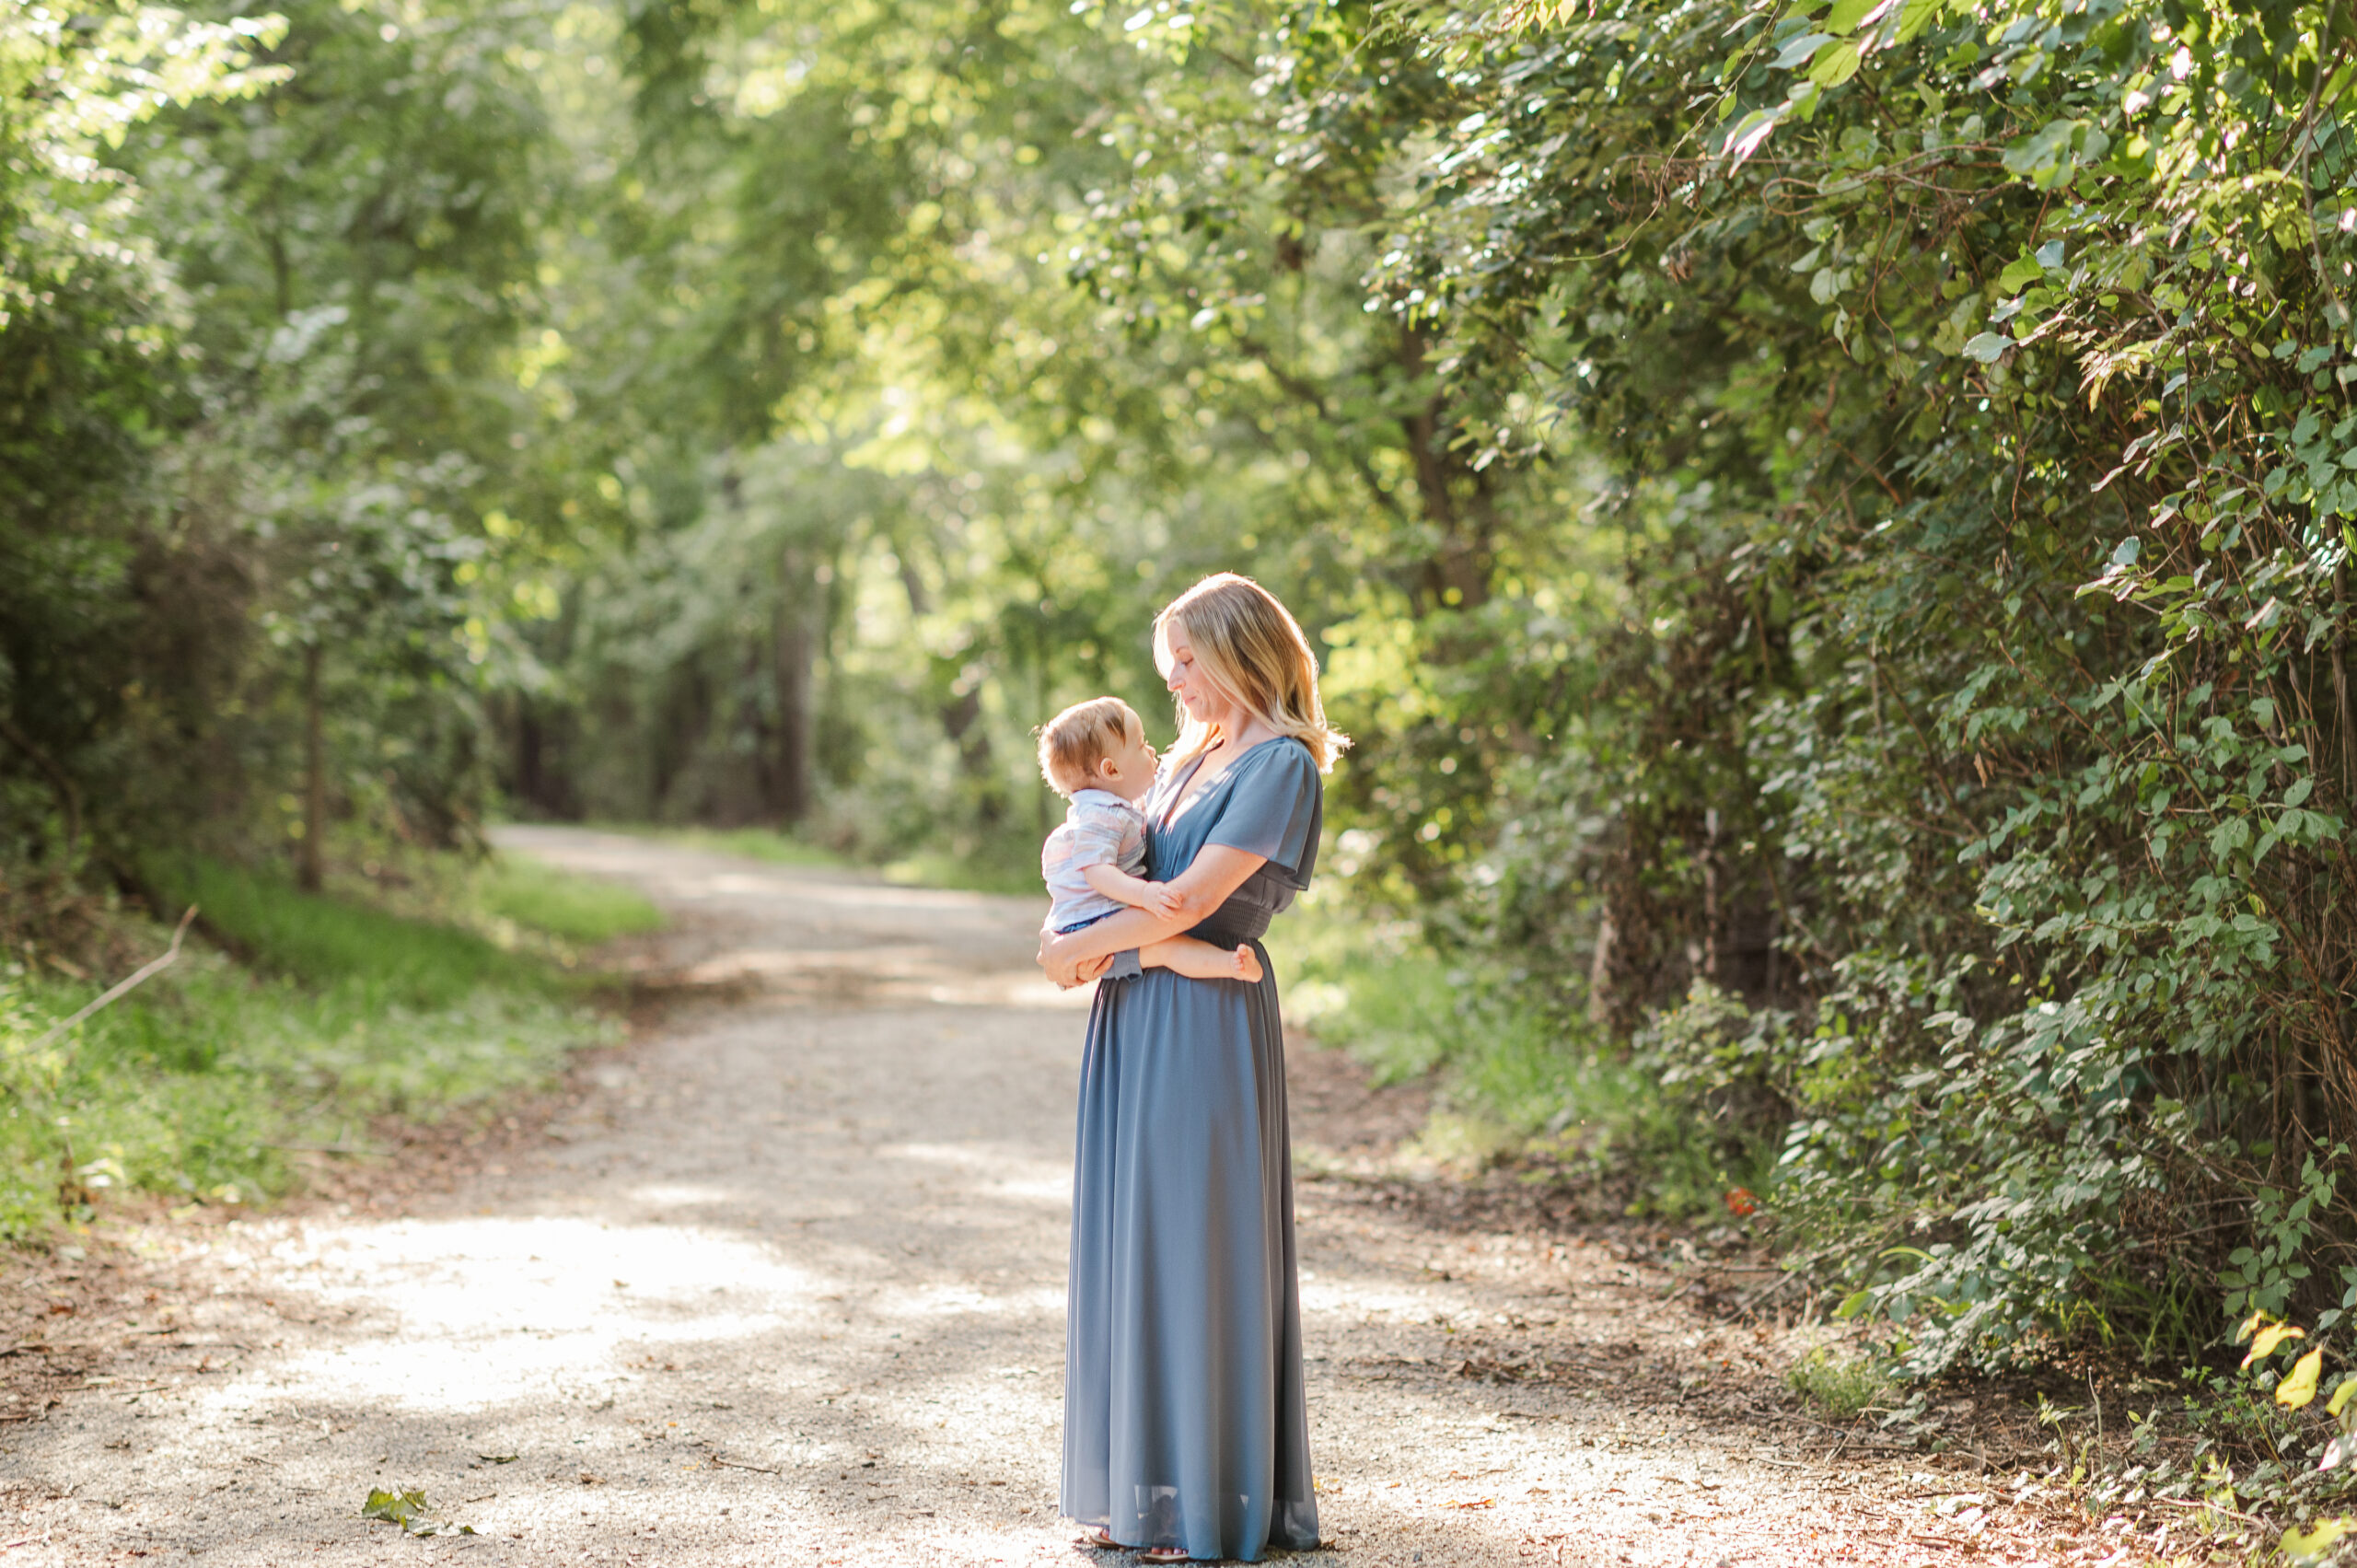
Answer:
(785, 1284)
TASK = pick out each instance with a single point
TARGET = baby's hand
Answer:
(1163, 899)
(1248, 965)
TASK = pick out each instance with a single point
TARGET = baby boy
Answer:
(1096, 756)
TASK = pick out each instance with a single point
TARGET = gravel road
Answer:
(783, 1282)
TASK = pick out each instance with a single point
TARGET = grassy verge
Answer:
(1008, 872)
(206, 1082)
(969, 875)
(526, 895)
(1516, 1082)
(753, 844)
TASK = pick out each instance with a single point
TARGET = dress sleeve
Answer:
(1276, 812)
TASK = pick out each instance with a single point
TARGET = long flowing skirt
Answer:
(1185, 1424)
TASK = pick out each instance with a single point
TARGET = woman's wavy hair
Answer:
(1254, 651)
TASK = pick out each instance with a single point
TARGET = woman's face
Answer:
(1204, 702)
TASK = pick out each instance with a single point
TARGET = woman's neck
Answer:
(1235, 731)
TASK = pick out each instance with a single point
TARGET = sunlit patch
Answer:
(494, 1310)
(1355, 1298)
(679, 1195)
(958, 1301)
(1004, 1175)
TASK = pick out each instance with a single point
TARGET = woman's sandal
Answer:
(1100, 1541)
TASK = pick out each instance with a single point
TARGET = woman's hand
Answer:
(1063, 965)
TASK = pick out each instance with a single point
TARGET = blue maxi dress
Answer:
(1185, 1422)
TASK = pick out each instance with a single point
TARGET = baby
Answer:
(1095, 755)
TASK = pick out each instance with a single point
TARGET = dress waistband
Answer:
(1233, 923)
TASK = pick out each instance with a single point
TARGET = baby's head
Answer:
(1099, 744)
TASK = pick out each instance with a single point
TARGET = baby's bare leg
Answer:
(1201, 960)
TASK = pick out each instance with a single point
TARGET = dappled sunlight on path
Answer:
(784, 1282)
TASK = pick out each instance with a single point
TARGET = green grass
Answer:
(581, 909)
(1515, 1080)
(1014, 870)
(967, 874)
(207, 1082)
(330, 941)
(753, 844)
(1846, 1387)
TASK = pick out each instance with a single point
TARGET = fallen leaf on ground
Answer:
(409, 1510)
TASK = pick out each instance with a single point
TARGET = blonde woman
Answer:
(1186, 1431)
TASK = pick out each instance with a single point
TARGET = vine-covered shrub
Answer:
(1974, 379)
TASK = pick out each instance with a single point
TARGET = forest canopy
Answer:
(1828, 520)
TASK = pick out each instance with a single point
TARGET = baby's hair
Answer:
(1075, 742)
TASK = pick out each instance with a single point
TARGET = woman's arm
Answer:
(1216, 872)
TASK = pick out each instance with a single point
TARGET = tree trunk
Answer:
(2341, 713)
(1457, 575)
(310, 862)
(1711, 922)
(531, 776)
(791, 670)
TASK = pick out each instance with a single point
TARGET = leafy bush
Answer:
(1976, 749)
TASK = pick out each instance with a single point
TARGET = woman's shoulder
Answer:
(1282, 766)
(1287, 755)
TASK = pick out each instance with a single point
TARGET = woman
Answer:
(1184, 1426)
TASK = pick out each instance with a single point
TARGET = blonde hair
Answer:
(1075, 742)
(1253, 650)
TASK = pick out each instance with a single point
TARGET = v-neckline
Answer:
(1170, 812)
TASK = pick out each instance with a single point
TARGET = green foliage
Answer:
(1846, 1386)
(1967, 380)
(1371, 988)
(1829, 524)
(88, 382)
(1515, 1080)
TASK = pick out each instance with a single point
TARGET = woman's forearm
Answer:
(1118, 933)
(1218, 871)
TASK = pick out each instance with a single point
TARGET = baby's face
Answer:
(1129, 772)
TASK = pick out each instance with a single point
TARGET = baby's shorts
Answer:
(1085, 924)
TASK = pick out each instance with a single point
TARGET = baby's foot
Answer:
(1248, 965)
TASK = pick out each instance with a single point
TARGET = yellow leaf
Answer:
(2340, 1397)
(2252, 1324)
(2301, 1386)
(2268, 1338)
(2316, 1542)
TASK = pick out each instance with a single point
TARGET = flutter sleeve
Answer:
(1276, 811)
